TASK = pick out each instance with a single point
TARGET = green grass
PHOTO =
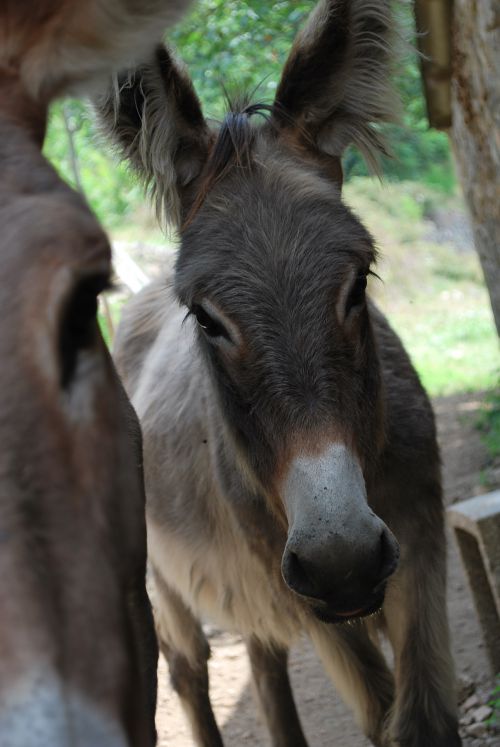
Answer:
(451, 354)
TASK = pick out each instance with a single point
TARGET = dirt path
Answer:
(325, 719)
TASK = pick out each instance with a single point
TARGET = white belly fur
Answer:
(221, 580)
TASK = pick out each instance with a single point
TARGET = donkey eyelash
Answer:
(213, 328)
(375, 275)
(186, 316)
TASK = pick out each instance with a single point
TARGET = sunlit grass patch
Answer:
(453, 351)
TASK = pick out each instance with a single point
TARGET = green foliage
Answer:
(109, 317)
(105, 330)
(238, 45)
(109, 189)
(489, 425)
(233, 44)
(494, 719)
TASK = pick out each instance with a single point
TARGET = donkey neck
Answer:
(18, 108)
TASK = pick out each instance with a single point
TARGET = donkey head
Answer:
(273, 268)
(76, 633)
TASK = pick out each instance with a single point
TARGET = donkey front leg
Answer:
(270, 676)
(186, 650)
(425, 711)
(359, 672)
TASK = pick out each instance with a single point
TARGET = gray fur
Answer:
(360, 93)
(169, 146)
(78, 651)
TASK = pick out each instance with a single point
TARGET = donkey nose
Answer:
(338, 571)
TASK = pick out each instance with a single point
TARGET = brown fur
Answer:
(78, 653)
(72, 534)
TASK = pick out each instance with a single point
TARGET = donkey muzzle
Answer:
(338, 554)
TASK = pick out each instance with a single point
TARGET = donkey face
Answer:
(273, 268)
(75, 625)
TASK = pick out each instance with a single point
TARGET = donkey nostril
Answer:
(296, 576)
(297, 569)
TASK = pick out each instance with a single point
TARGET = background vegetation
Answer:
(432, 292)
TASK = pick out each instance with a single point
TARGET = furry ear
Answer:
(336, 82)
(154, 117)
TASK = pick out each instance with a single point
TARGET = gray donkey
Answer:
(287, 439)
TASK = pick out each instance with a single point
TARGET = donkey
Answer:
(287, 439)
(77, 646)
(78, 651)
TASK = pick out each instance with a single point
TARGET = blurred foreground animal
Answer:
(58, 46)
(78, 651)
(292, 470)
(77, 646)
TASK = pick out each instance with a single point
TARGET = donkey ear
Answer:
(154, 117)
(336, 82)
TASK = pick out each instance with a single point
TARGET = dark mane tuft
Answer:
(232, 146)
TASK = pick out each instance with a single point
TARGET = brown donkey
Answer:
(287, 439)
(77, 646)
(78, 652)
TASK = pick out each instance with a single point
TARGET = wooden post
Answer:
(475, 129)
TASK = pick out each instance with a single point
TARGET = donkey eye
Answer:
(356, 295)
(211, 327)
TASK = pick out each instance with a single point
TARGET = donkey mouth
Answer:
(331, 615)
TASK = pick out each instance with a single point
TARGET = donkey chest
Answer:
(222, 579)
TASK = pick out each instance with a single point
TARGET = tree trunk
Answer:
(476, 128)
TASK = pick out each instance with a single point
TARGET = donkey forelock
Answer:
(232, 146)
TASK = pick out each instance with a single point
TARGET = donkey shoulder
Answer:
(141, 322)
